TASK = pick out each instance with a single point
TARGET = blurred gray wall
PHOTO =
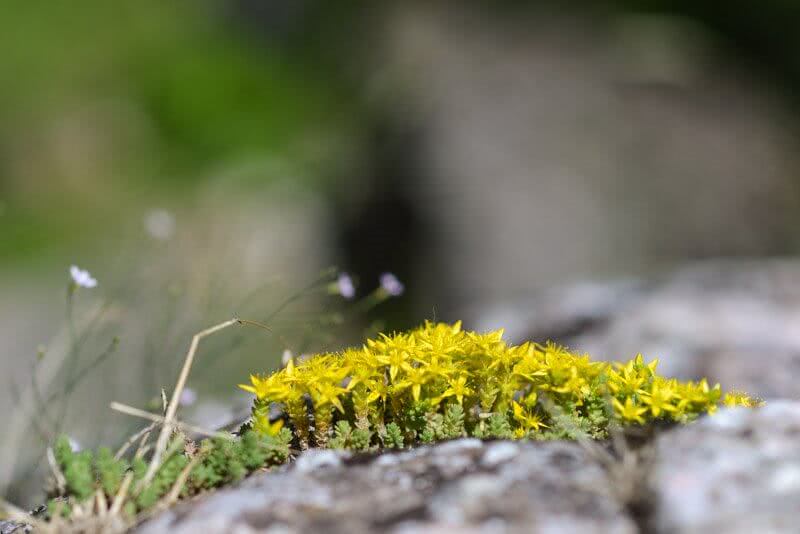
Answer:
(559, 147)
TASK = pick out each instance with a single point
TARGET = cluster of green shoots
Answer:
(439, 382)
(187, 468)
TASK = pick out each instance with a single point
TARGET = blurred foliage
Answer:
(211, 91)
(763, 34)
(105, 105)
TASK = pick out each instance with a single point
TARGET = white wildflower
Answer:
(392, 285)
(81, 277)
(345, 286)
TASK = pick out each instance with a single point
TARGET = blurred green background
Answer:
(210, 158)
(108, 108)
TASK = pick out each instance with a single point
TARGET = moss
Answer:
(76, 467)
(393, 437)
(496, 425)
(346, 437)
(218, 461)
(109, 471)
(165, 477)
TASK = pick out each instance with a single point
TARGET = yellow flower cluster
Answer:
(485, 385)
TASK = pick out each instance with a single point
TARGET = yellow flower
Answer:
(626, 380)
(458, 389)
(648, 368)
(396, 359)
(271, 388)
(737, 398)
(415, 378)
(629, 411)
(378, 390)
(659, 397)
(324, 394)
(696, 397)
(436, 361)
(488, 342)
(255, 387)
(434, 368)
(262, 425)
(527, 419)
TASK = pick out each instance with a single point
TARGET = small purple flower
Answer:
(74, 445)
(188, 397)
(81, 277)
(392, 285)
(345, 286)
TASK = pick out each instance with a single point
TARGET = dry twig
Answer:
(166, 430)
(61, 482)
(119, 498)
(136, 412)
(127, 445)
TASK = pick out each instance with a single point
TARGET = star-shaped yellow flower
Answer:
(629, 411)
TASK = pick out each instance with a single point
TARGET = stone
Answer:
(464, 485)
(737, 472)
(317, 459)
(735, 322)
(552, 150)
(499, 453)
(12, 527)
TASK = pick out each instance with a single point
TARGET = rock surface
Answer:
(738, 471)
(465, 484)
(12, 527)
(735, 322)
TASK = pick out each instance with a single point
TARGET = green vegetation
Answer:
(440, 382)
(139, 104)
(187, 469)
(434, 383)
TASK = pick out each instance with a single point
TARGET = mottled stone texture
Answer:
(463, 485)
(11, 527)
(735, 322)
(736, 472)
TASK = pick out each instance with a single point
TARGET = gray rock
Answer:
(554, 150)
(736, 322)
(464, 485)
(317, 459)
(12, 527)
(736, 472)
